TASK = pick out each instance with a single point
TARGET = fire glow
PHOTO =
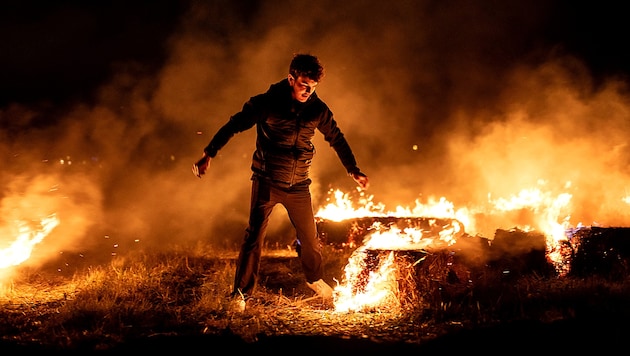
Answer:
(343, 208)
(377, 288)
(28, 236)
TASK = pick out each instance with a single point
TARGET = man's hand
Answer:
(361, 179)
(200, 167)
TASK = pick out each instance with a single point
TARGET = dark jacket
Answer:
(285, 127)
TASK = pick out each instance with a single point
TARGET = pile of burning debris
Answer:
(437, 254)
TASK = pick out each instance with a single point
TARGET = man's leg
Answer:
(248, 263)
(300, 209)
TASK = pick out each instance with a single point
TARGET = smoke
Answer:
(438, 99)
(557, 133)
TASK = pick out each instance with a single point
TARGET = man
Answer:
(286, 117)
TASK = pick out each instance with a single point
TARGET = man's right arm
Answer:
(217, 142)
(241, 121)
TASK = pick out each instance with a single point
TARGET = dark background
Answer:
(62, 50)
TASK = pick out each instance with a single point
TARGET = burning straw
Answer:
(394, 269)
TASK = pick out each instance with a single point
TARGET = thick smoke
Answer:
(438, 99)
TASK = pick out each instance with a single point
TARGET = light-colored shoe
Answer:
(322, 289)
(237, 304)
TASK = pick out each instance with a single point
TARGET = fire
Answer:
(376, 289)
(27, 237)
(548, 217)
(547, 208)
(409, 238)
(377, 292)
(343, 208)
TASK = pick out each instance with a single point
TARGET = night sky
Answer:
(104, 106)
(63, 50)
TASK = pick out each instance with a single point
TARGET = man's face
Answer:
(301, 88)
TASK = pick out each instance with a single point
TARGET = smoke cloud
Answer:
(456, 99)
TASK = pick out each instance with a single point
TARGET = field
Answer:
(150, 301)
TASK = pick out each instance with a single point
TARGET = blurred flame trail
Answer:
(379, 290)
(20, 249)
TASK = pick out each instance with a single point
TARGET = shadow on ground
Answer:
(598, 336)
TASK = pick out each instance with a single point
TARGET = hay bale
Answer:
(604, 252)
(353, 231)
(418, 273)
(516, 253)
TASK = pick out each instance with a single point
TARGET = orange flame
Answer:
(548, 210)
(21, 248)
(378, 287)
(343, 208)
(379, 290)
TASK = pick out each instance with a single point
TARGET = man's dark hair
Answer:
(306, 65)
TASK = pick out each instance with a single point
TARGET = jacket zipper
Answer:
(295, 140)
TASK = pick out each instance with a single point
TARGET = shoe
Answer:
(322, 289)
(237, 304)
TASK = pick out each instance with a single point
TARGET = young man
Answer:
(286, 117)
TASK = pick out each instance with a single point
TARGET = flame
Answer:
(548, 217)
(21, 248)
(377, 289)
(546, 207)
(343, 208)
(409, 238)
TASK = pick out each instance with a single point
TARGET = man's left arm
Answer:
(361, 179)
(338, 142)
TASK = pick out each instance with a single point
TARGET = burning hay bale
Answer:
(378, 279)
(425, 262)
(394, 267)
(353, 231)
(429, 261)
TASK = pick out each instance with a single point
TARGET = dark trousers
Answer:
(297, 201)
